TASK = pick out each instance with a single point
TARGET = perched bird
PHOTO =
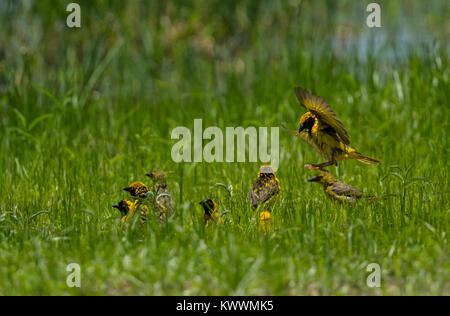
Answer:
(337, 190)
(265, 222)
(265, 188)
(321, 128)
(124, 207)
(128, 209)
(211, 211)
(161, 191)
(137, 189)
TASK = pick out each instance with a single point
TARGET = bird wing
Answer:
(268, 191)
(341, 188)
(164, 197)
(323, 111)
(253, 195)
(304, 135)
(262, 193)
(144, 213)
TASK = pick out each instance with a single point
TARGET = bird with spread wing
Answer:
(322, 129)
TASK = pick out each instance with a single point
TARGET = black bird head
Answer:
(122, 206)
(209, 205)
(324, 178)
(315, 178)
(307, 122)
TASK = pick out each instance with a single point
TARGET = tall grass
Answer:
(86, 111)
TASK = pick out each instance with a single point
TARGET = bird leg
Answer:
(320, 166)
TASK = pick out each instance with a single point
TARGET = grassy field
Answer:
(86, 111)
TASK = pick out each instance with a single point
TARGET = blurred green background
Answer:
(85, 111)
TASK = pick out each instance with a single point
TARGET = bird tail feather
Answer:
(373, 198)
(365, 159)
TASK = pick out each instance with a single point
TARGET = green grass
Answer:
(85, 112)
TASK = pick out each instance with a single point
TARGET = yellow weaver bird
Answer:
(161, 191)
(265, 222)
(337, 190)
(137, 189)
(265, 188)
(322, 129)
(128, 209)
(211, 211)
(124, 208)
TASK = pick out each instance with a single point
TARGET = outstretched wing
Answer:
(304, 135)
(323, 111)
(341, 188)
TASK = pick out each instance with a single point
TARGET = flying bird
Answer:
(322, 129)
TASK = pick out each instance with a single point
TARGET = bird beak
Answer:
(128, 189)
(116, 206)
(148, 175)
(314, 179)
(301, 128)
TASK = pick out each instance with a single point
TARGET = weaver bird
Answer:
(137, 189)
(161, 190)
(211, 211)
(337, 190)
(321, 128)
(265, 222)
(265, 188)
(124, 208)
(128, 209)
